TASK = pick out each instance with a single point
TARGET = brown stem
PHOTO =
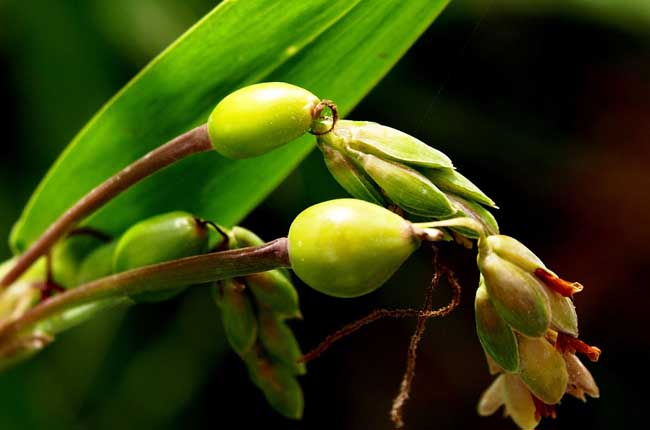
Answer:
(177, 273)
(195, 140)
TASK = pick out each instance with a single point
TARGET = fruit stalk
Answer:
(192, 142)
(176, 273)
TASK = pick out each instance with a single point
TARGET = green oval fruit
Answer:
(258, 118)
(157, 239)
(347, 247)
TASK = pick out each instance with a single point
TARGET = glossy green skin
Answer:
(256, 119)
(348, 247)
(155, 240)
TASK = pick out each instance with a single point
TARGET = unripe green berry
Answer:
(158, 239)
(348, 247)
(258, 118)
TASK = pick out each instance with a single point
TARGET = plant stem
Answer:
(177, 273)
(194, 141)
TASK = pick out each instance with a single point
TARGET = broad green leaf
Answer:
(338, 49)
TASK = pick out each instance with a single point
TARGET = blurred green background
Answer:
(544, 103)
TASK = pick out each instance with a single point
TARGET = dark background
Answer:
(544, 104)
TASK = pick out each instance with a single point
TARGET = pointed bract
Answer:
(389, 144)
(495, 334)
(451, 181)
(406, 187)
(542, 369)
(350, 176)
(518, 296)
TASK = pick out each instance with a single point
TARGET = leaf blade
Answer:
(305, 45)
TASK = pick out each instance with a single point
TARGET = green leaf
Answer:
(338, 49)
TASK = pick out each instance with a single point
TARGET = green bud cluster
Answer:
(387, 167)
(518, 319)
(254, 310)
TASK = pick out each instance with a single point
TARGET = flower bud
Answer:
(453, 182)
(258, 118)
(350, 176)
(347, 247)
(563, 314)
(278, 384)
(157, 239)
(517, 296)
(406, 187)
(519, 403)
(280, 343)
(508, 390)
(275, 293)
(580, 380)
(497, 338)
(542, 369)
(237, 315)
(386, 143)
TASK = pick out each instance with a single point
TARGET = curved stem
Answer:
(177, 273)
(195, 140)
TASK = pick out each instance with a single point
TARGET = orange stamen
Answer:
(566, 343)
(562, 287)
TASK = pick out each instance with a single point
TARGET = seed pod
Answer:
(408, 188)
(542, 369)
(476, 212)
(350, 176)
(98, 264)
(258, 118)
(386, 143)
(519, 403)
(278, 384)
(495, 335)
(237, 314)
(157, 239)
(347, 247)
(280, 343)
(453, 182)
(273, 292)
(517, 296)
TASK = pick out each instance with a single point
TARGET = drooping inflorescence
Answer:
(405, 191)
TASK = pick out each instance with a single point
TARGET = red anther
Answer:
(566, 343)
(543, 410)
(562, 287)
